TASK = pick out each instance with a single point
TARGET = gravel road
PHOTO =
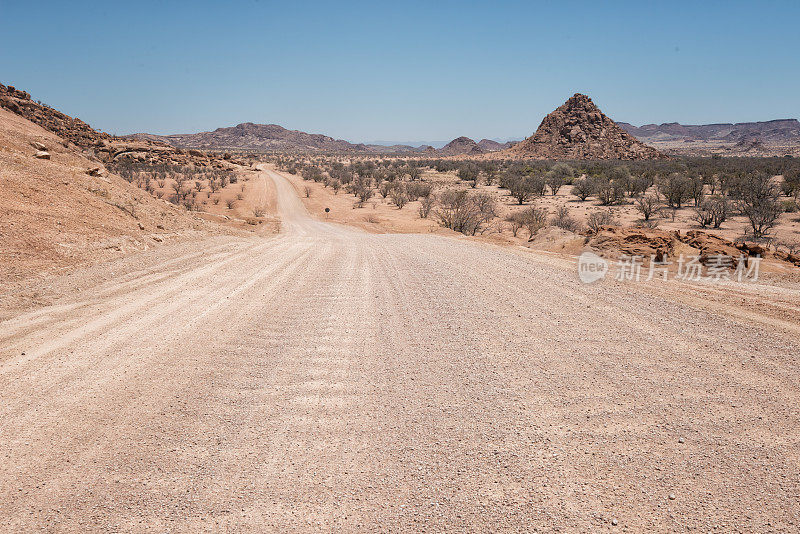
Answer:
(329, 379)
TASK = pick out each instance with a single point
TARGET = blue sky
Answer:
(401, 70)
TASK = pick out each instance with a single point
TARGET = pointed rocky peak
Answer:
(579, 130)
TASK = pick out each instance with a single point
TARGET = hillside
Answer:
(579, 130)
(61, 205)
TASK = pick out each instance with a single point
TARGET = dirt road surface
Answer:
(330, 379)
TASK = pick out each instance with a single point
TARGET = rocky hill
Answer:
(579, 130)
(461, 146)
(68, 128)
(99, 145)
(488, 145)
(258, 137)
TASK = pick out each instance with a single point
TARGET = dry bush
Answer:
(712, 212)
(676, 188)
(598, 219)
(564, 220)
(757, 197)
(425, 206)
(533, 219)
(582, 188)
(648, 205)
(399, 196)
(468, 213)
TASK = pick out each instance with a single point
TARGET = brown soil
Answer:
(57, 216)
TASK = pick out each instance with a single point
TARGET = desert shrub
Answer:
(515, 222)
(556, 177)
(582, 188)
(469, 172)
(789, 206)
(712, 211)
(489, 172)
(676, 188)
(563, 219)
(385, 188)
(598, 219)
(361, 187)
(468, 213)
(532, 219)
(791, 182)
(757, 198)
(523, 188)
(696, 189)
(311, 173)
(399, 196)
(608, 191)
(648, 205)
(425, 206)
(416, 190)
(621, 176)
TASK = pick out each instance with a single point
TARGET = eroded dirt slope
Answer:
(55, 215)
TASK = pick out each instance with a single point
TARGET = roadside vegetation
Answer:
(755, 196)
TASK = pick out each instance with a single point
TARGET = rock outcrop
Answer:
(66, 127)
(96, 144)
(461, 146)
(579, 130)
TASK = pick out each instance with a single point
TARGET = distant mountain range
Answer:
(274, 138)
(750, 138)
(759, 138)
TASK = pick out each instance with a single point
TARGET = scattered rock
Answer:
(635, 242)
(141, 226)
(42, 155)
(38, 146)
(681, 440)
(158, 239)
(95, 171)
(672, 496)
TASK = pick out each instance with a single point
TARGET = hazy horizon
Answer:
(365, 71)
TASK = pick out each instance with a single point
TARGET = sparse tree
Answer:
(648, 205)
(582, 188)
